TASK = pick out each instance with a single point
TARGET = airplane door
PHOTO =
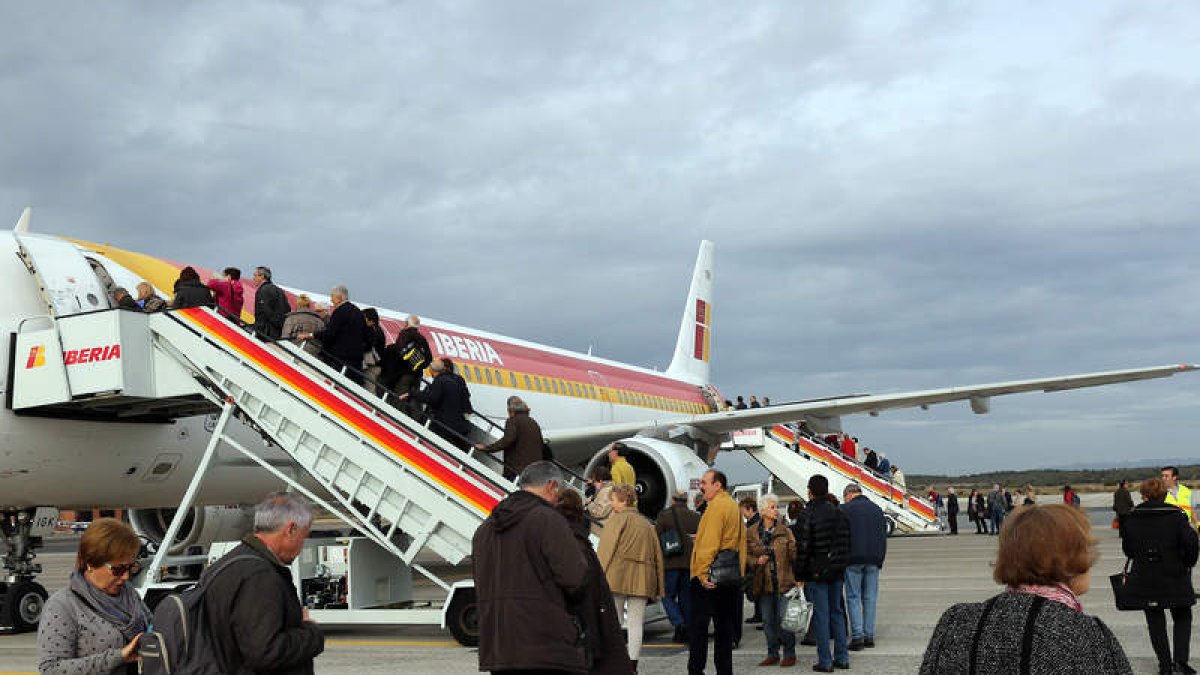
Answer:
(68, 283)
(606, 405)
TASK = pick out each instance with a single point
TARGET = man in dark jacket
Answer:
(521, 442)
(404, 361)
(676, 602)
(344, 338)
(1122, 502)
(868, 546)
(254, 615)
(952, 510)
(270, 306)
(449, 401)
(527, 570)
(821, 552)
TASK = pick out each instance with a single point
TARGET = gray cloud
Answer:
(902, 198)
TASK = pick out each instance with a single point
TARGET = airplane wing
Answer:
(732, 420)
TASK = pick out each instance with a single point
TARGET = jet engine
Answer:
(662, 467)
(202, 525)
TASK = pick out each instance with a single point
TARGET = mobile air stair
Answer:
(396, 482)
(792, 458)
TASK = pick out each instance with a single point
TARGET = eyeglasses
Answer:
(132, 569)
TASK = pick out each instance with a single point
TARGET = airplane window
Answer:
(487, 373)
(554, 384)
(528, 384)
(512, 380)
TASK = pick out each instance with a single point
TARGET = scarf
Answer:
(1056, 592)
(125, 610)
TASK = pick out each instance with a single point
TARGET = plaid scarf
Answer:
(1057, 592)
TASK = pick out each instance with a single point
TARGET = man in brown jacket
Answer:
(527, 568)
(721, 529)
(522, 440)
(677, 601)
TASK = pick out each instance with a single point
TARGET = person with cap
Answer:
(868, 547)
(676, 601)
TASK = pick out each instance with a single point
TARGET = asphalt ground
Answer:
(922, 577)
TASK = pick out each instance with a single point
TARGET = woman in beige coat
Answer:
(632, 560)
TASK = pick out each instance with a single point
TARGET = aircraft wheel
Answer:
(890, 523)
(463, 617)
(23, 603)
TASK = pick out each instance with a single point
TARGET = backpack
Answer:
(416, 355)
(1075, 499)
(178, 642)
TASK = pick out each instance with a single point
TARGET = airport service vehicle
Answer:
(185, 419)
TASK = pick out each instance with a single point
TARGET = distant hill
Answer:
(1044, 478)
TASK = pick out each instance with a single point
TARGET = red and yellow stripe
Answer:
(453, 478)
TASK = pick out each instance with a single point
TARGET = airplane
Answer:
(141, 460)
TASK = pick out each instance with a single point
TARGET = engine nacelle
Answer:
(662, 468)
(202, 526)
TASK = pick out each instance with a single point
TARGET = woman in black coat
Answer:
(605, 645)
(1163, 548)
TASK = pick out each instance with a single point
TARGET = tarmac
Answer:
(921, 578)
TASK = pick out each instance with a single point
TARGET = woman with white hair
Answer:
(772, 546)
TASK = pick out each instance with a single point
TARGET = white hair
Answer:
(279, 509)
(340, 290)
(766, 500)
(413, 320)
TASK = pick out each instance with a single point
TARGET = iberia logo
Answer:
(37, 358)
(92, 354)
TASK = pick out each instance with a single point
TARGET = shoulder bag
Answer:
(1126, 598)
(726, 568)
(672, 540)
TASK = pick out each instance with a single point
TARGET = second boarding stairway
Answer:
(793, 458)
(397, 482)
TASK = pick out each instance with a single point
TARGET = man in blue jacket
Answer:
(868, 546)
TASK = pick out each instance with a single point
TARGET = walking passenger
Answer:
(599, 504)
(376, 342)
(1178, 494)
(868, 548)
(403, 363)
(676, 598)
(189, 292)
(823, 545)
(750, 515)
(149, 300)
(270, 306)
(1036, 625)
(304, 320)
(449, 401)
(94, 625)
(252, 607)
(528, 570)
(1122, 502)
(631, 556)
(996, 508)
(622, 470)
(771, 545)
(229, 293)
(1160, 541)
(720, 529)
(124, 300)
(603, 642)
(522, 440)
(344, 337)
(952, 509)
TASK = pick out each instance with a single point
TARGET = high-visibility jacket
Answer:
(1183, 499)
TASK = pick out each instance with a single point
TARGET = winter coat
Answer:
(392, 364)
(128, 303)
(720, 529)
(981, 512)
(599, 508)
(255, 618)
(527, 567)
(344, 338)
(780, 543)
(596, 609)
(689, 521)
(631, 556)
(868, 532)
(1122, 501)
(952, 505)
(73, 639)
(303, 321)
(229, 295)
(521, 442)
(822, 543)
(189, 293)
(1163, 547)
(1063, 641)
(449, 400)
(154, 304)
(270, 308)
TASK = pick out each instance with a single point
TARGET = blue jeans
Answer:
(862, 590)
(827, 616)
(771, 607)
(677, 600)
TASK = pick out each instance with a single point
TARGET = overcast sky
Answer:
(903, 195)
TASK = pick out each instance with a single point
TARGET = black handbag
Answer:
(672, 540)
(726, 569)
(1126, 597)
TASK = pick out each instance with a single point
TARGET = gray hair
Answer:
(538, 474)
(340, 290)
(264, 271)
(852, 489)
(766, 500)
(413, 320)
(120, 290)
(279, 509)
(516, 405)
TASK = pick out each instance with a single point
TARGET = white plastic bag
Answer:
(797, 614)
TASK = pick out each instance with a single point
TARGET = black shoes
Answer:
(1184, 669)
(841, 666)
(680, 636)
(818, 668)
(754, 619)
(856, 645)
(869, 643)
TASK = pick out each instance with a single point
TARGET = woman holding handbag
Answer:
(773, 548)
(1162, 549)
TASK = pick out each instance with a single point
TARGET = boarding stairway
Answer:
(792, 458)
(388, 476)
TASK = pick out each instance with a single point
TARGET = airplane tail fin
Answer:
(23, 221)
(693, 347)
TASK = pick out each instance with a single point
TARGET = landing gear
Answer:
(21, 598)
(462, 617)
